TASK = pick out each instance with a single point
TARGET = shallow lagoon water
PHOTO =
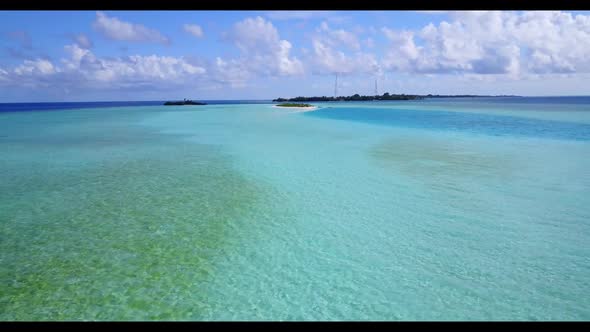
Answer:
(379, 211)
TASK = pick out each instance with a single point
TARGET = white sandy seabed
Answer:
(298, 109)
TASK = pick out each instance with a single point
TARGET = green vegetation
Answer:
(385, 96)
(294, 105)
(356, 97)
(183, 102)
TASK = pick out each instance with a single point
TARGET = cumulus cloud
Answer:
(494, 42)
(194, 30)
(30, 73)
(331, 53)
(129, 69)
(84, 69)
(478, 46)
(116, 29)
(338, 37)
(262, 50)
(515, 45)
(402, 52)
(326, 60)
(35, 67)
(233, 72)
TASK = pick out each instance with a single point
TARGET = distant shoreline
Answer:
(183, 102)
(226, 101)
(385, 97)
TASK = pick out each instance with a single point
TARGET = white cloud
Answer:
(327, 58)
(76, 54)
(35, 67)
(83, 69)
(30, 74)
(135, 68)
(114, 28)
(194, 30)
(232, 72)
(338, 37)
(262, 50)
(477, 46)
(403, 50)
(252, 34)
(331, 61)
(494, 42)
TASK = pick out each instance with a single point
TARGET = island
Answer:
(355, 97)
(294, 105)
(385, 96)
(183, 102)
(297, 107)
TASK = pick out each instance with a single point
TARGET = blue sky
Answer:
(147, 55)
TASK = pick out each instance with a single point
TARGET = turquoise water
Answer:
(438, 210)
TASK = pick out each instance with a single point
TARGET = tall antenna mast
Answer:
(376, 91)
(336, 86)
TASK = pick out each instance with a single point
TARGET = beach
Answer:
(297, 109)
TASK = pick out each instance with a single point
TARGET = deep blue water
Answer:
(21, 107)
(478, 123)
(24, 107)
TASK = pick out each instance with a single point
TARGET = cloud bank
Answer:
(481, 45)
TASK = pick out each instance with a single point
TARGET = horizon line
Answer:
(163, 100)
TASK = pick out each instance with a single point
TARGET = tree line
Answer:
(385, 96)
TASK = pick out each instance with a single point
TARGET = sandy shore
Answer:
(298, 109)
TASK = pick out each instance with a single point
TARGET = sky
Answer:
(212, 55)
